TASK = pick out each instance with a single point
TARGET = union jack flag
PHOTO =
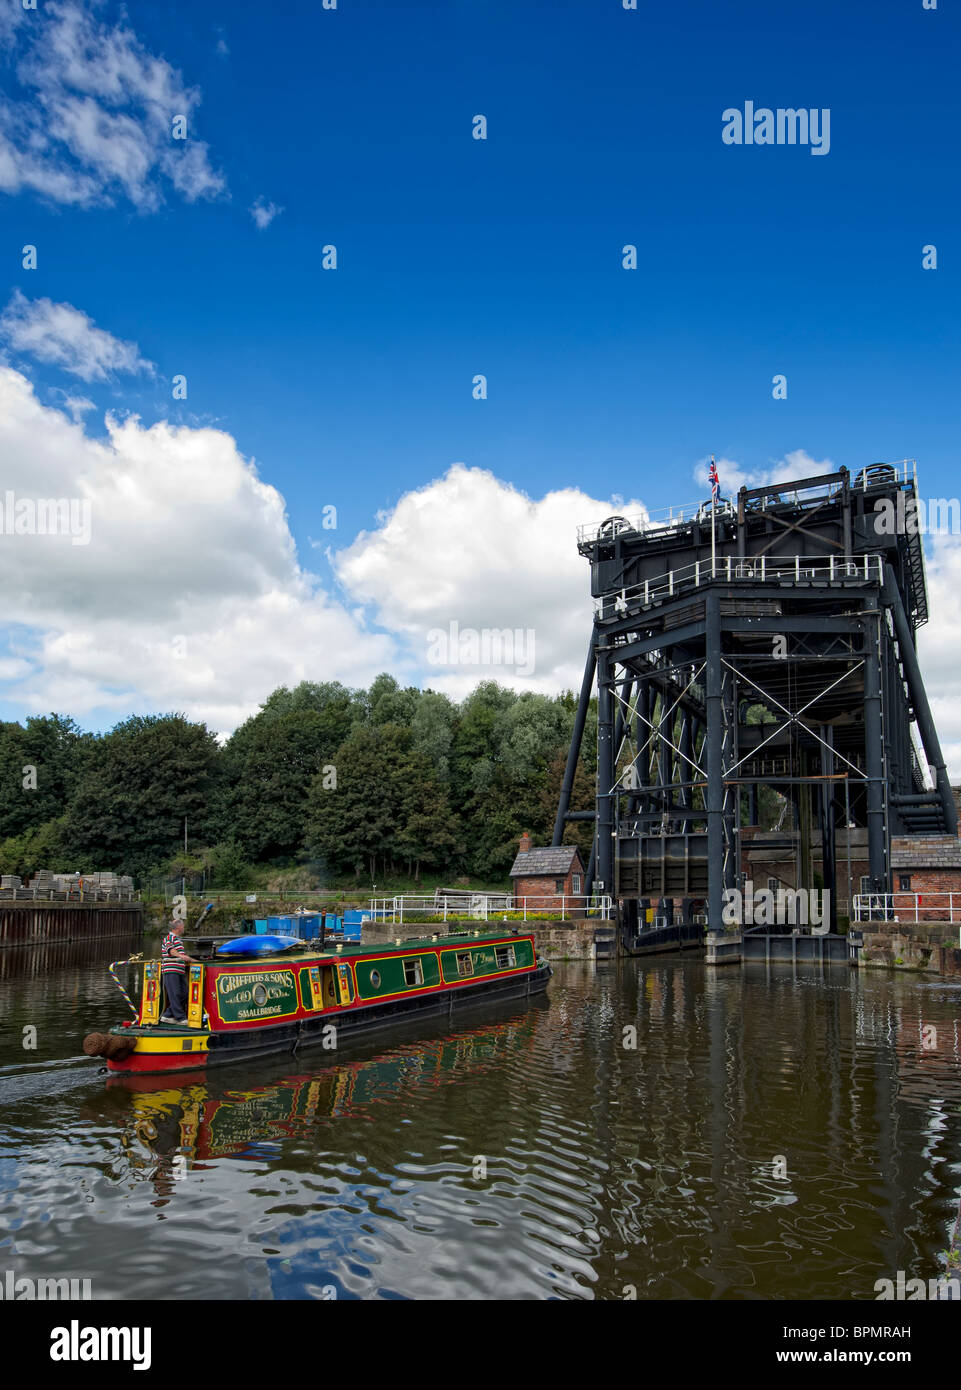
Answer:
(715, 481)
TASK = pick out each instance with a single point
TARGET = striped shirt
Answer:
(172, 954)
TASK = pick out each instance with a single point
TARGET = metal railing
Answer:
(650, 523)
(908, 907)
(902, 471)
(487, 906)
(761, 569)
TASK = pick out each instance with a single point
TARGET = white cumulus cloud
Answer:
(795, 465)
(95, 121)
(189, 594)
(939, 642)
(264, 213)
(471, 550)
(65, 337)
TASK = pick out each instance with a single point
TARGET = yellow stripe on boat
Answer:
(198, 1043)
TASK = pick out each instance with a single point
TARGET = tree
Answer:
(229, 868)
(39, 768)
(144, 778)
(267, 800)
(433, 725)
(39, 847)
(388, 807)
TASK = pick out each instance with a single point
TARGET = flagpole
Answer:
(713, 516)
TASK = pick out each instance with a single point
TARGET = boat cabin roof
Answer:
(381, 948)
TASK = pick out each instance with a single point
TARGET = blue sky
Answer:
(503, 257)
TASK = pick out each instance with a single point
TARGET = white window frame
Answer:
(418, 965)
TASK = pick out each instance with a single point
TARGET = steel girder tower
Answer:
(783, 655)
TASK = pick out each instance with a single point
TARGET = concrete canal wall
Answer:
(931, 947)
(32, 923)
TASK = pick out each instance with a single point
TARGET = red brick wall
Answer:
(928, 881)
(542, 888)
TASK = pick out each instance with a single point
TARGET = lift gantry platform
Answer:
(778, 652)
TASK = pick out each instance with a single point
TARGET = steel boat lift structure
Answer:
(805, 601)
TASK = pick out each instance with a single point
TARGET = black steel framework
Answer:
(802, 613)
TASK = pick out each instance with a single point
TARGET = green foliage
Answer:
(141, 782)
(49, 751)
(423, 789)
(40, 847)
(388, 807)
(229, 868)
(270, 775)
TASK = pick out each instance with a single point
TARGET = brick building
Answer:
(923, 867)
(549, 876)
(926, 873)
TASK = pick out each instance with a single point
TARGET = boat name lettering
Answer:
(268, 991)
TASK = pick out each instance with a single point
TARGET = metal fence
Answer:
(763, 569)
(487, 906)
(907, 907)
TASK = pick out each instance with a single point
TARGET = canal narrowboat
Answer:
(258, 995)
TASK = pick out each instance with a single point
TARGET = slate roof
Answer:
(925, 852)
(553, 860)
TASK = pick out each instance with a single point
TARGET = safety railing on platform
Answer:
(411, 907)
(761, 569)
(908, 907)
(900, 472)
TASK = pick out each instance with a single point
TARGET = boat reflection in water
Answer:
(178, 1122)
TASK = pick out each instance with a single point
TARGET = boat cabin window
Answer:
(504, 955)
(375, 979)
(465, 963)
(413, 972)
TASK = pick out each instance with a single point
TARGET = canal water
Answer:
(775, 1133)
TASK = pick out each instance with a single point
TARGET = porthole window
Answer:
(375, 979)
(260, 995)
